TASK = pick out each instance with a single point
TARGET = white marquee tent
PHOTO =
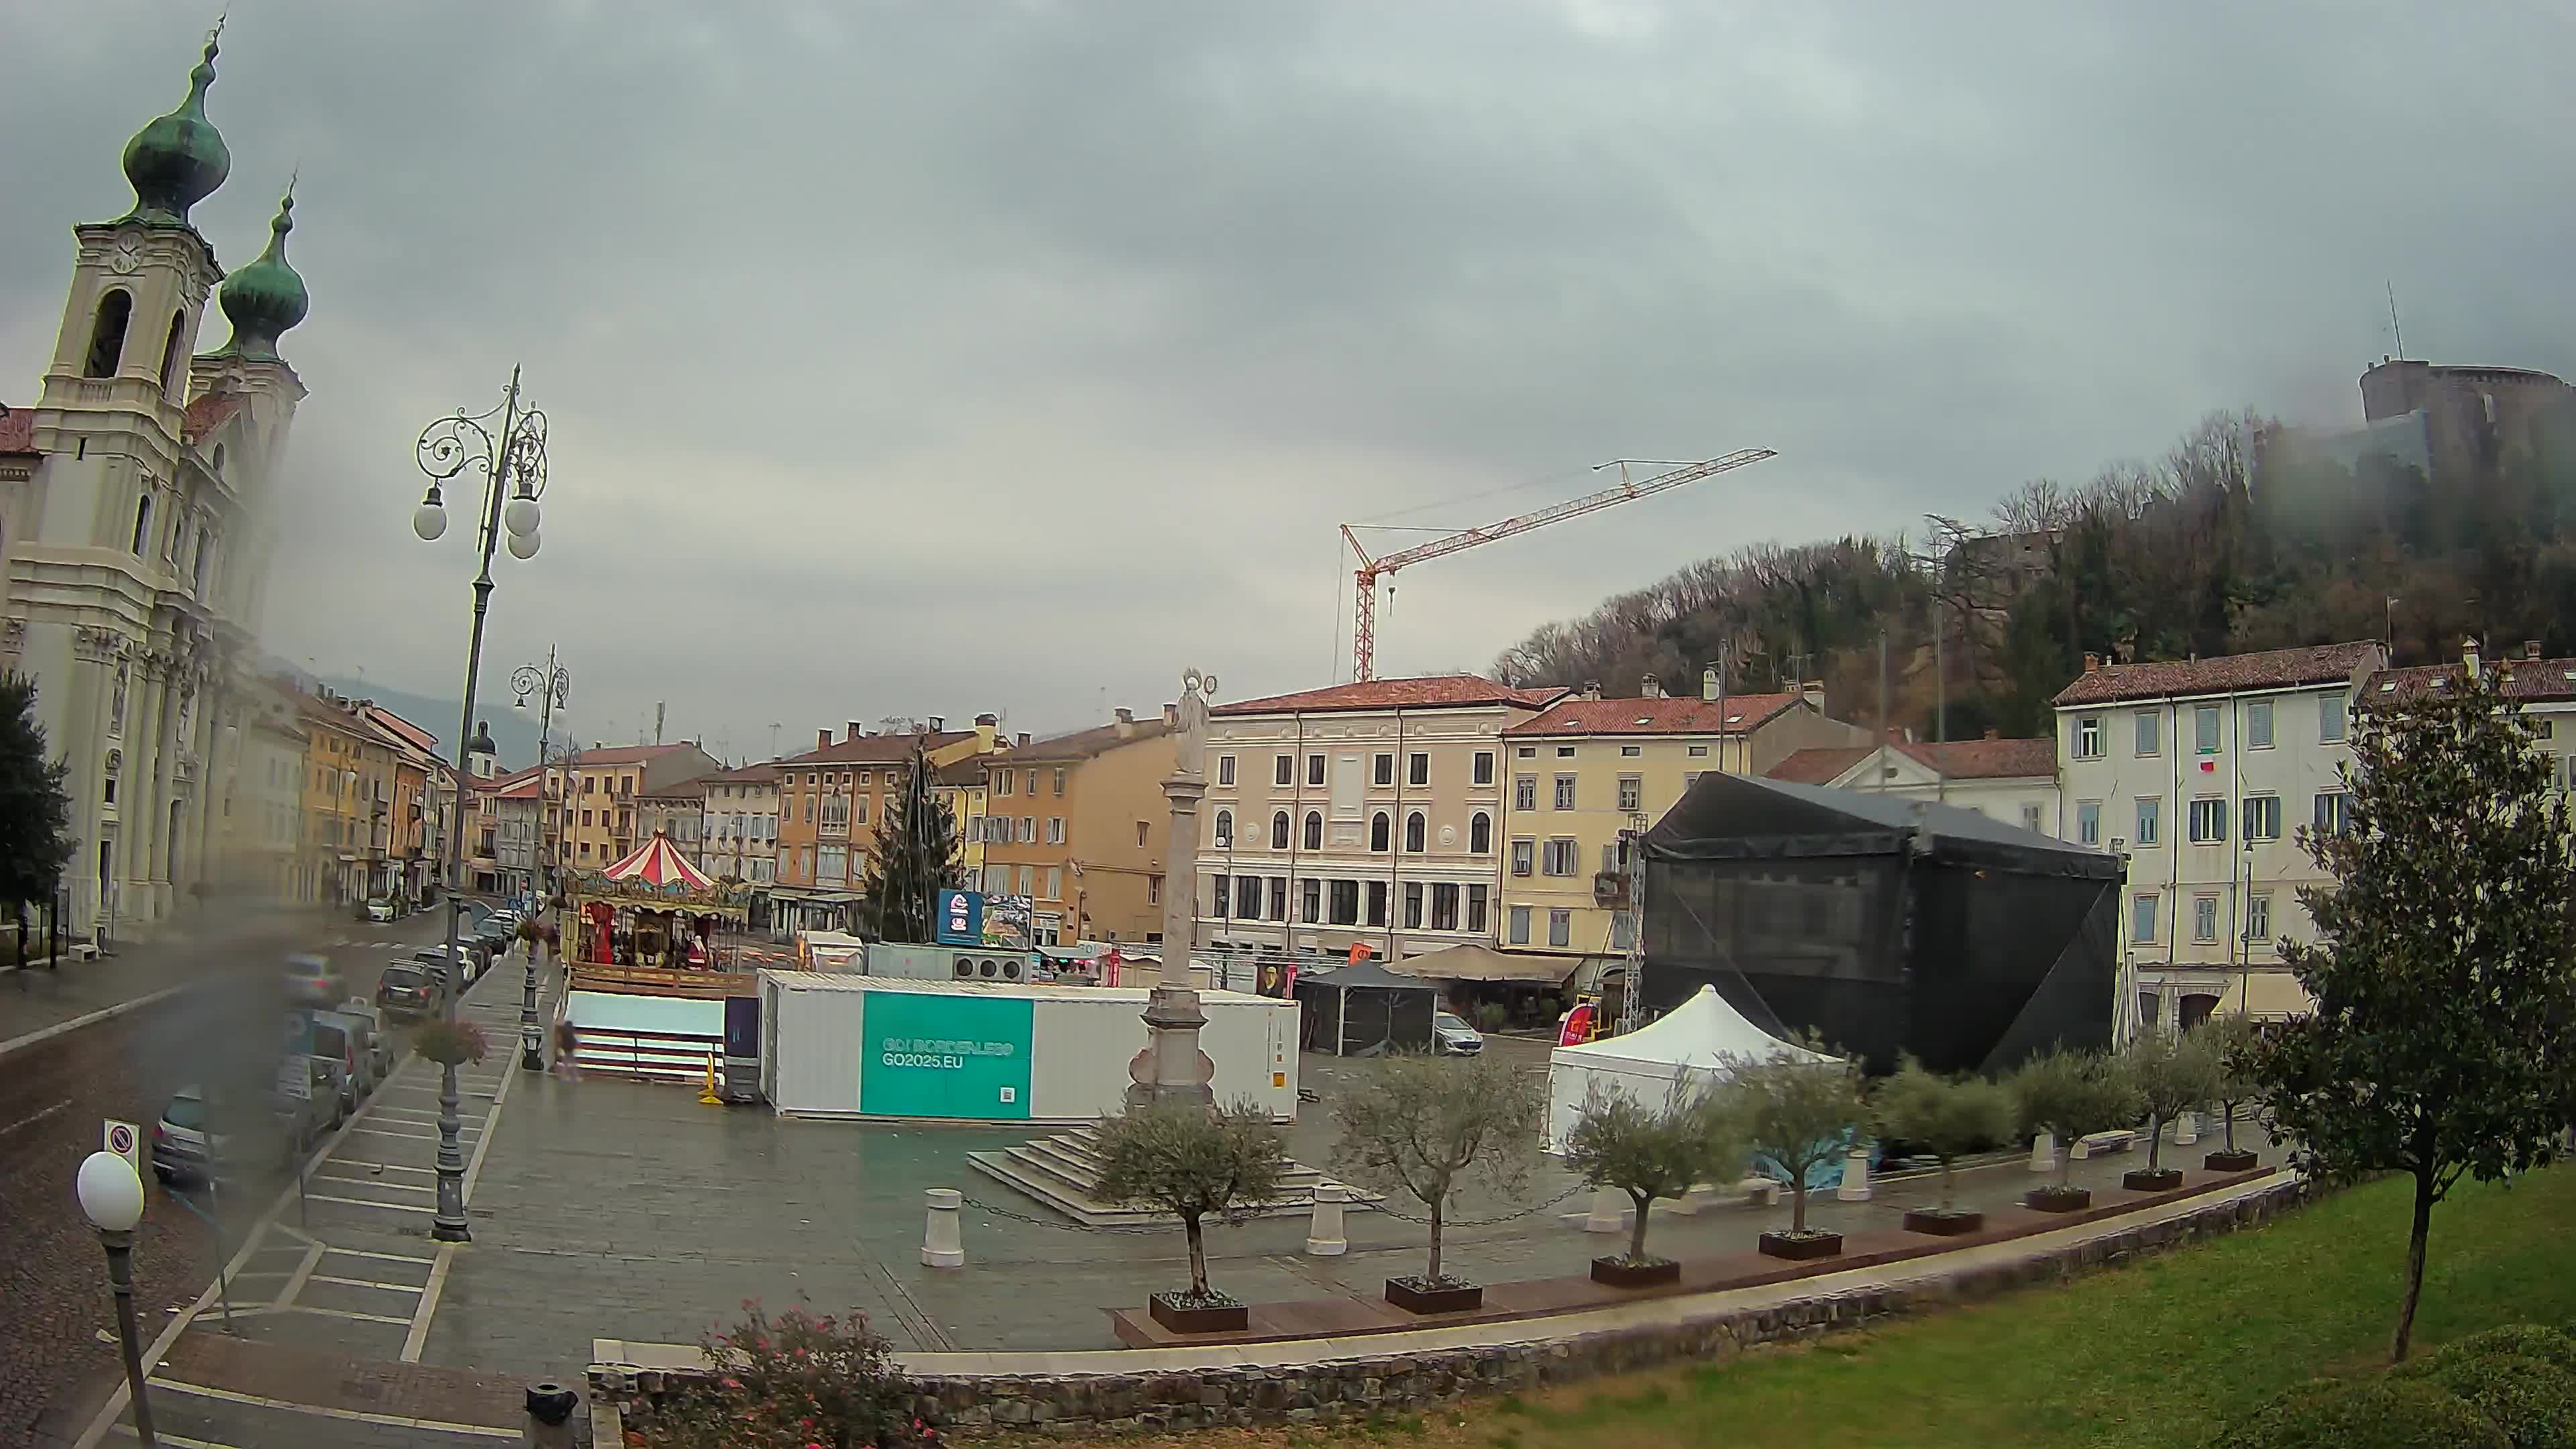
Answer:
(1698, 1040)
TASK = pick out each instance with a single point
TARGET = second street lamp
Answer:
(513, 464)
(556, 684)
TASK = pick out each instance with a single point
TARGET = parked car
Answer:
(332, 1047)
(469, 963)
(181, 1150)
(302, 1121)
(310, 981)
(380, 909)
(1452, 1036)
(366, 1065)
(408, 988)
(380, 1040)
(186, 1153)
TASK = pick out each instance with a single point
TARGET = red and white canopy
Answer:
(655, 863)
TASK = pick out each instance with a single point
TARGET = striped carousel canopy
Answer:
(658, 865)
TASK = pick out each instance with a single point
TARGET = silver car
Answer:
(1451, 1036)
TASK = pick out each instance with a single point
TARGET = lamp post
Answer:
(556, 685)
(111, 1197)
(513, 465)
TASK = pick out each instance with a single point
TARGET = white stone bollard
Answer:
(1324, 1235)
(1609, 1212)
(2043, 1152)
(1855, 1186)
(941, 1247)
(2186, 1129)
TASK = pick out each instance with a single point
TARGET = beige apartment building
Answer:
(832, 801)
(598, 803)
(741, 830)
(1079, 824)
(1366, 814)
(1588, 771)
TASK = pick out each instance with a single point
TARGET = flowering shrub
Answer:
(796, 1381)
(450, 1043)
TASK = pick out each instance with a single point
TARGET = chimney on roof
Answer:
(2530, 648)
(855, 731)
(1024, 739)
(1591, 689)
(2092, 661)
(823, 738)
(2469, 654)
(1708, 685)
(939, 724)
(1650, 687)
(1126, 723)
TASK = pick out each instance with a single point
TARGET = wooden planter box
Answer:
(1801, 1247)
(1944, 1225)
(2057, 1199)
(1620, 1273)
(2224, 1161)
(1414, 1296)
(2162, 1179)
(1198, 1317)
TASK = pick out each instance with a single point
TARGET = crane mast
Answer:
(1364, 612)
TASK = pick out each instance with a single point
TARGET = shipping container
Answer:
(845, 1046)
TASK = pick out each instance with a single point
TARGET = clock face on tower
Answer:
(128, 254)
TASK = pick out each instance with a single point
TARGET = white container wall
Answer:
(870, 1047)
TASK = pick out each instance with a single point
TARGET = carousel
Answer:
(654, 911)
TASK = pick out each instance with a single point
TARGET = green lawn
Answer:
(2160, 1353)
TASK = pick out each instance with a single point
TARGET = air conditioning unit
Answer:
(990, 966)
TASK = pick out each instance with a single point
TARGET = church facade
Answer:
(136, 517)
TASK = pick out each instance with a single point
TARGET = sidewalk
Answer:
(34, 999)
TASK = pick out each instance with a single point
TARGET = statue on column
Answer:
(1189, 745)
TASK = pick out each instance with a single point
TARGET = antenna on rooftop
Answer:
(2398, 331)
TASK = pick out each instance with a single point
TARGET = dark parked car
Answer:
(408, 989)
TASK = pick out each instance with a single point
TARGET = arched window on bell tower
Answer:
(171, 378)
(107, 333)
(142, 524)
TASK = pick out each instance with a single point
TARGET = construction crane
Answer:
(1364, 613)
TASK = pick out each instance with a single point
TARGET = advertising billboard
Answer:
(934, 1054)
(1006, 923)
(961, 918)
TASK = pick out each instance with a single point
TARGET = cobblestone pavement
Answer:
(628, 1210)
(220, 985)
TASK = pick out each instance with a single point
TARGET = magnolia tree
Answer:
(2072, 1095)
(2443, 1041)
(1420, 1125)
(1798, 1114)
(1193, 1164)
(1947, 1117)
(1653, 1152)
(2170, 1076)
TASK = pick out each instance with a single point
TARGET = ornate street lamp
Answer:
(111, 1197)
(555, 683)
(513, 464)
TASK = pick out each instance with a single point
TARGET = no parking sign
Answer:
(122, 1139)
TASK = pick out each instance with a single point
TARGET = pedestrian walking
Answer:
(566, 1047)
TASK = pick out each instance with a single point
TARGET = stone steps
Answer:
(1063, 1172)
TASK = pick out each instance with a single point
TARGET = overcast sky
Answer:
(939, 357)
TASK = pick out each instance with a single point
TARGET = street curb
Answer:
(107, 1013)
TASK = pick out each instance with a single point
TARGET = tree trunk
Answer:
(2155, 1142)
(1949, 1188)
(1198, 1254)
(2230, 1125)
(1797, 1201)
(2417, 1232)
(2065, 1160)
(1434, 1274)
(1637, 1233)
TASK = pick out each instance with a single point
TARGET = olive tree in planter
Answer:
(1419, 1124)
(1948, 1118)
(1798, 1113)
(2071, 1095)
(2232, 1042)
(1649, 1153)
(1192, 1163)
(2171, 1076)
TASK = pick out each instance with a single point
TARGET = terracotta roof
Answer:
(1438, 691)
(209, 412)
(693, 788)
(1083, 744)
(2227, 674)
(1818, 766)
(2524, 679)
(1666, 716)
(966, 773)
(403, 729)
(761, 774)
(624, 754)
(877, 749)
(1956, 760)
(18, 430)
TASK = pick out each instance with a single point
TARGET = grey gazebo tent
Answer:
(1365, 1010)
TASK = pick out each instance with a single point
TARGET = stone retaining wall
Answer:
(1405, 1382)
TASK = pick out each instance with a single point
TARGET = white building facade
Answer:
(2014, 781)
(741, 825)
(2202, 773)
(133, 524)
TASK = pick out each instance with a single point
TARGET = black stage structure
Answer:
(1365, 1010)
(1884, 924)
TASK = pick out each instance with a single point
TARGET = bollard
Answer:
(1609, 1212)
(2186, 1129)
(1855, 1186)
(550, 1409)
(1324, 1236)
(2043, 1152)
(941, 1247)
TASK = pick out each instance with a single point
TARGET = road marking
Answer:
(369, 1180)
(388, 1257)
(327, 1411)
(65, 1028)
(32, 1120)
(427, 1306)
(367, 1283)
(127, 1431)
(391, 1207)
(295, 1280)
(387, 1166)
(340, 1313)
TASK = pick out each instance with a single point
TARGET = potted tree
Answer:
(2232, 1042)
(1419, 1125)
(2071, 1095)
(1191, 1163)
(2171, 1076)
(1798, 1115)
(1947, 1117)
(1649, 1153)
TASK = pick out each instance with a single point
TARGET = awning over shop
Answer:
(1482, 963)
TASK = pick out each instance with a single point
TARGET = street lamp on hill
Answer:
(556, 684)
(513, 464)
